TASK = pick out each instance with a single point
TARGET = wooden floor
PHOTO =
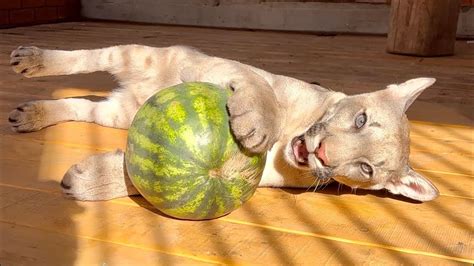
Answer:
(276, 227)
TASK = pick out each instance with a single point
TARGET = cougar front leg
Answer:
(35, 115)
(98, 177)
(32, 61)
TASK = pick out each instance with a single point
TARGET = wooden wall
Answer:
(327, 17)
(29, 12)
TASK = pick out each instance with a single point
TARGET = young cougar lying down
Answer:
(313, 134)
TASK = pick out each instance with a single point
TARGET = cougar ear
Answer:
(407, 92)
(413, 186)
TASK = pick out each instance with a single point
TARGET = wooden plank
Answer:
(456, 165)
(321, 17)
(25, 245)
(313, 16)
(210, 240)
(74, 134)
(441, 146)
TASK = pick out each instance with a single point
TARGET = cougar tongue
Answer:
(321, 153)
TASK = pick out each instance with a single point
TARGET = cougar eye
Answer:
(366, 168)
(360, 120)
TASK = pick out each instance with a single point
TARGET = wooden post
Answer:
(423, 27)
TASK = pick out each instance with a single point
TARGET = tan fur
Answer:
(148, 62)
(267, 112)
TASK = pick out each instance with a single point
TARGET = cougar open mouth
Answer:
(299, 150)
(301, 153)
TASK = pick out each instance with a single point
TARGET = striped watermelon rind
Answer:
(182, 156)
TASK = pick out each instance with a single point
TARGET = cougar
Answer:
(312, 135)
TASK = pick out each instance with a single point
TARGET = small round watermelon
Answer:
(183, 158)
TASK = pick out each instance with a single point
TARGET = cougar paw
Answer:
(28, 117)
(99, 177)
(27, 60)
(249, 125)
(76, 181)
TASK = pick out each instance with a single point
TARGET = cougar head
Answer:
(363, 141)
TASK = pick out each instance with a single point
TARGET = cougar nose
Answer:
(321, 154)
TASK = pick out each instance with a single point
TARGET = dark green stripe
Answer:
(209, 200)
(166, 158)
(157, 133)
(177, 149)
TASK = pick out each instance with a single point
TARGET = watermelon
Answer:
(183, 158)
